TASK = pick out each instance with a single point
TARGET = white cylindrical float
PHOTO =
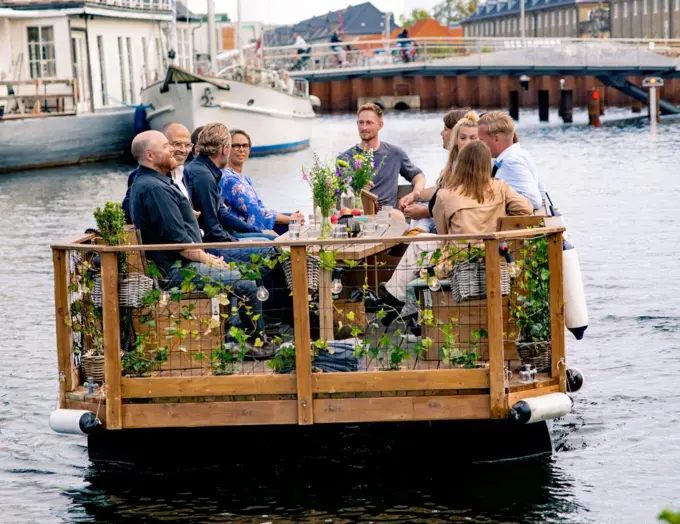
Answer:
(539, 409)
(575, 308)
(73, 421)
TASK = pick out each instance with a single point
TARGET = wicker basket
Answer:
(131, 289)
(468, 280)
(313, 268)
(93, 367)
(536, 354)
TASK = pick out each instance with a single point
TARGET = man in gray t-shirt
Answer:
(392, 160)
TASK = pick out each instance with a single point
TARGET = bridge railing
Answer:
(475, 52)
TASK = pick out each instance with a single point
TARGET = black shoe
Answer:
(392, 307)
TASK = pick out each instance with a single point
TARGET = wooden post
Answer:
(567, 105)
(594, 107)
(303, 343)
(557, 341)
(68, 376)
(111, 317)
(513, 103)
(494, 311)
(543, 105)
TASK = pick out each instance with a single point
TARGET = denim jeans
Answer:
(243, 289)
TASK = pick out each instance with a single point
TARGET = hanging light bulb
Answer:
(262, 293)
(433, 282)
(336, 284)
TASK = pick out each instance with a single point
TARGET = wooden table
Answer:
(348, 251)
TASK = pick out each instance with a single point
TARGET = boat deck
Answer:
(461, 373)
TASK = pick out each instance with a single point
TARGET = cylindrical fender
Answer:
(73, 421)
(538, 409)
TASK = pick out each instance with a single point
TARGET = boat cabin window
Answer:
(41, 55)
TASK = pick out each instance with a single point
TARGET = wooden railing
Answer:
(308, 397)
(30, 98)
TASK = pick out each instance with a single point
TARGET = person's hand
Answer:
(298, 216)
(416, 211)
(408, 200)
(369, 185)
(197, 214)
(270, 232)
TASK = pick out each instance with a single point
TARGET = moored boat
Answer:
(280, 120)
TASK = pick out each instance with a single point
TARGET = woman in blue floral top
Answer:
(239, 193)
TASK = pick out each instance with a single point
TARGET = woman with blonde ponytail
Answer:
(464, 132)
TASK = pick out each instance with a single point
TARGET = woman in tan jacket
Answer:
(469, 202)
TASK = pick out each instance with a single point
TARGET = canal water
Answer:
(618, 458)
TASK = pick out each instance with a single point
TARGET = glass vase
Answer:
(326, 226)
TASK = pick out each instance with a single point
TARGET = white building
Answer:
(103, 52)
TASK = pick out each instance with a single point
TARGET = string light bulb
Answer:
(262, 293)
(432, 281)
(336, 283)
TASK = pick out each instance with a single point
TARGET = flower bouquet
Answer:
(358, 173)
(325, 187)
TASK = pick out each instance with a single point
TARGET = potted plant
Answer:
(530, 308)
(86, 320)
(131, 286)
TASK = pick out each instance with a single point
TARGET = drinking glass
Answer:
(294, 227)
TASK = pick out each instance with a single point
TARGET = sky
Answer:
(291, 11)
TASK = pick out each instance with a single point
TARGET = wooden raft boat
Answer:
(186, 389)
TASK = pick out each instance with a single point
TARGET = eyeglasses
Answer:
(182, 145)
(244, 147)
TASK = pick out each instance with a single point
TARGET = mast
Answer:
(172, 36)
(212, 36)
(239, 40)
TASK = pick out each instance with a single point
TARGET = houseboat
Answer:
(70, 76)
(169, 378)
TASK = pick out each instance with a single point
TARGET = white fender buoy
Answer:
(315, 100)
(538, 409)
(73, 421)
(575, 307)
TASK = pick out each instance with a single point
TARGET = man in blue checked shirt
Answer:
(512, 163)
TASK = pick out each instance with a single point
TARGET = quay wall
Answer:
(486, 92)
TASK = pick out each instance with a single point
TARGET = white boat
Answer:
(276, 112)
(277, 120)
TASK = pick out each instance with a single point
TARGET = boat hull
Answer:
(493, 440)
(276, 121)
(32, 143)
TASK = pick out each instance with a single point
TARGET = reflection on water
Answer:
(619, 458)
(385, 492)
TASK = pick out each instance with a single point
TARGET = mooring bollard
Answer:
(567, 105)
(543, 105)
(513, 105)
(594, 108)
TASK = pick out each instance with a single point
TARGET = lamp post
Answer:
(521, 20)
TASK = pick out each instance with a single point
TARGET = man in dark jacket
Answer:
(202, 177)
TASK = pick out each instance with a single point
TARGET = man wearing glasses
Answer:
(180, 139)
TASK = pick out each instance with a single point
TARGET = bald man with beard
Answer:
(164, 215)
(179, 138)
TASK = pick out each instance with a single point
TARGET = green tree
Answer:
(449, 11)
(416, 14)
(670, 516)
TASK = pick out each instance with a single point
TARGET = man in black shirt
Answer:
(164, 216)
